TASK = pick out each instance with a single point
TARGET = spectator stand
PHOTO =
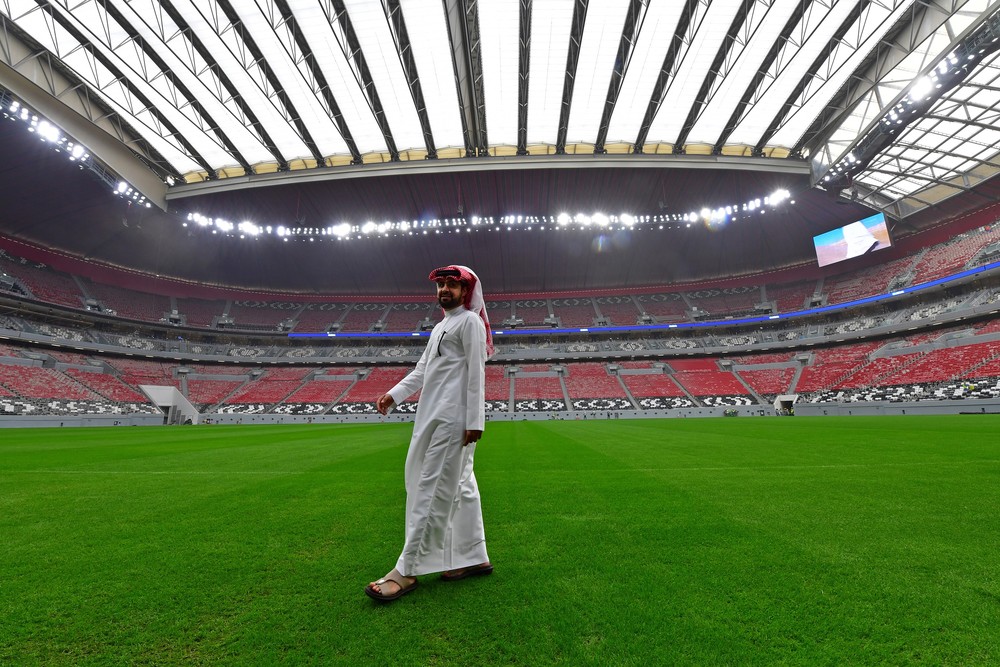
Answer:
(662, 308)
(129, 304)
(576, 312)
(538, 388)
(252, 315)
(617, 310)
(200, 313)
(708, 384)
(413, 316)
(362, 317)
(371, 383)
(263, 390)
(532, 313)
(320, 391)
(319, 317)
(592, 387)
(651, 388)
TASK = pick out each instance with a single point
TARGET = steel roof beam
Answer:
(85, 44)
(317, 72)
(466, 61)
(779, 118)
(397, 26)
(46, 84)
(272, 78)
(357, 57)
(575, 37)
(177, 83)
(626, 44)
(523, 62)
(920, 22)
(677, 40)
(703, 97)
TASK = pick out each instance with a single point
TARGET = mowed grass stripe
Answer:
(797, 541)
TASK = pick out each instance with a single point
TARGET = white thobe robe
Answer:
(444, 519)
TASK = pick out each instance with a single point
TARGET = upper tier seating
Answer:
(264, 315)
(363, 316)
(725, 300)
(45, 283)
(789, 298)
(620, 310)
(532, 313)
(664, 307)
(951, 257)
(317, 318)
(199, 312)
(574, 312)
(406, 316)
(148, 308)
(866, 282)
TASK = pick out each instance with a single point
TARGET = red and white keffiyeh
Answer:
(474, 300)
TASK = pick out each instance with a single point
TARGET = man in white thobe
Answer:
(444, 520)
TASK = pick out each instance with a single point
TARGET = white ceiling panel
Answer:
(598, 51)
(550, 29)
(372, 28)
(425, 24)
(498, 33)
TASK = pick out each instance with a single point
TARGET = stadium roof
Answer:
(459, 107)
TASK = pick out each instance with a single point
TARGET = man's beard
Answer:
(447, 301)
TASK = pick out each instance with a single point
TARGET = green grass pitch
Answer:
(704, 541)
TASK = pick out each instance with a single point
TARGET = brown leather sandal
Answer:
(471, 571)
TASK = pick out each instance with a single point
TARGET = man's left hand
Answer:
(472, 437)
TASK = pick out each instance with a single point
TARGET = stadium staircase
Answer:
(628, 394)
(757, 397)
(798, 374)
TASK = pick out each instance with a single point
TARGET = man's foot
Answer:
(390, 587)
(471, 571)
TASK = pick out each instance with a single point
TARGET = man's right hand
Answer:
(383, 404)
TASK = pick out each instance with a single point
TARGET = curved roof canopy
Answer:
(209, 95)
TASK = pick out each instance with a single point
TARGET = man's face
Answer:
(450, 292)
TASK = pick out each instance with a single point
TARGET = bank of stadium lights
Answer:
(50, 134)
(45, 131)
(712, 218)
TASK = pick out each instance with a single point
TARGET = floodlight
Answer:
(627, 219)
(48, 131)
(341, 230)
(77, 151)
(922, 87)
(563, 219)
(368, 227)
(224, 225)
(122, 187)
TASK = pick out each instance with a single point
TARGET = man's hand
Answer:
(471, 437)
(383, 404)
